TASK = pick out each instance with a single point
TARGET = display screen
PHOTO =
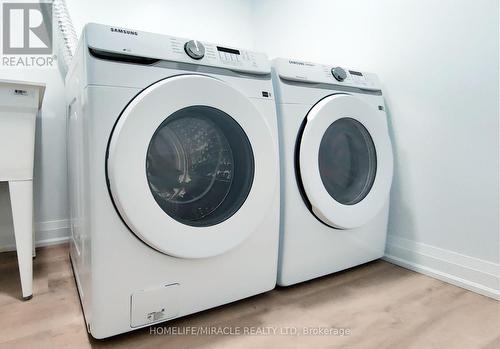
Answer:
(355, 73)
(228, 50)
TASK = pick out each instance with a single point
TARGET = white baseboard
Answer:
(471, 273)
(46, 233)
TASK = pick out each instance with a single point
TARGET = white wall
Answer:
(438, 61)
(222, 21)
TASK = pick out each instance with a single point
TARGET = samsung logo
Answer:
(301, 63)
(124, 31)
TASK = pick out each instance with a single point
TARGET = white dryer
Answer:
(174, 176)
(337, 167)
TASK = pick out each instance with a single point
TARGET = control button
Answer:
(194, 49)
(339, 74)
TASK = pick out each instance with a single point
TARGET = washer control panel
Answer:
(327, 74)
(170, 48)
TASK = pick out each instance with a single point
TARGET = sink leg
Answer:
(21, 199)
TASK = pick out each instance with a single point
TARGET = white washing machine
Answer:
(337, 167)
(174, 176)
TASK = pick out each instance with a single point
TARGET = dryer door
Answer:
(192, 166)
(345, 161)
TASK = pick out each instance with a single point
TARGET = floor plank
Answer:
(382, 305)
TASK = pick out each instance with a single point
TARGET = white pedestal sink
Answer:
(19, 105)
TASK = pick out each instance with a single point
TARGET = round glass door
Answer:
(192, 175)
(199, 166)
(347, 161)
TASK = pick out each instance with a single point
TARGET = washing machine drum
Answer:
(192, 166)
(345, 161)
(191, 163)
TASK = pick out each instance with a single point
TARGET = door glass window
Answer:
(200, 166)
(347, 161)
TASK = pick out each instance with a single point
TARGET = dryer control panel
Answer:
(301, 71)
(129, 42)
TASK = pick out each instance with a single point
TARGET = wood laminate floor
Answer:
(382, 305)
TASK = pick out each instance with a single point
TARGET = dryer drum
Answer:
(347, 161)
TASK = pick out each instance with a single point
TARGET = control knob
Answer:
(339, 74)
(194, 49)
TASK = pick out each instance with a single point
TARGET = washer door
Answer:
(192, 166)
(345, 161)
